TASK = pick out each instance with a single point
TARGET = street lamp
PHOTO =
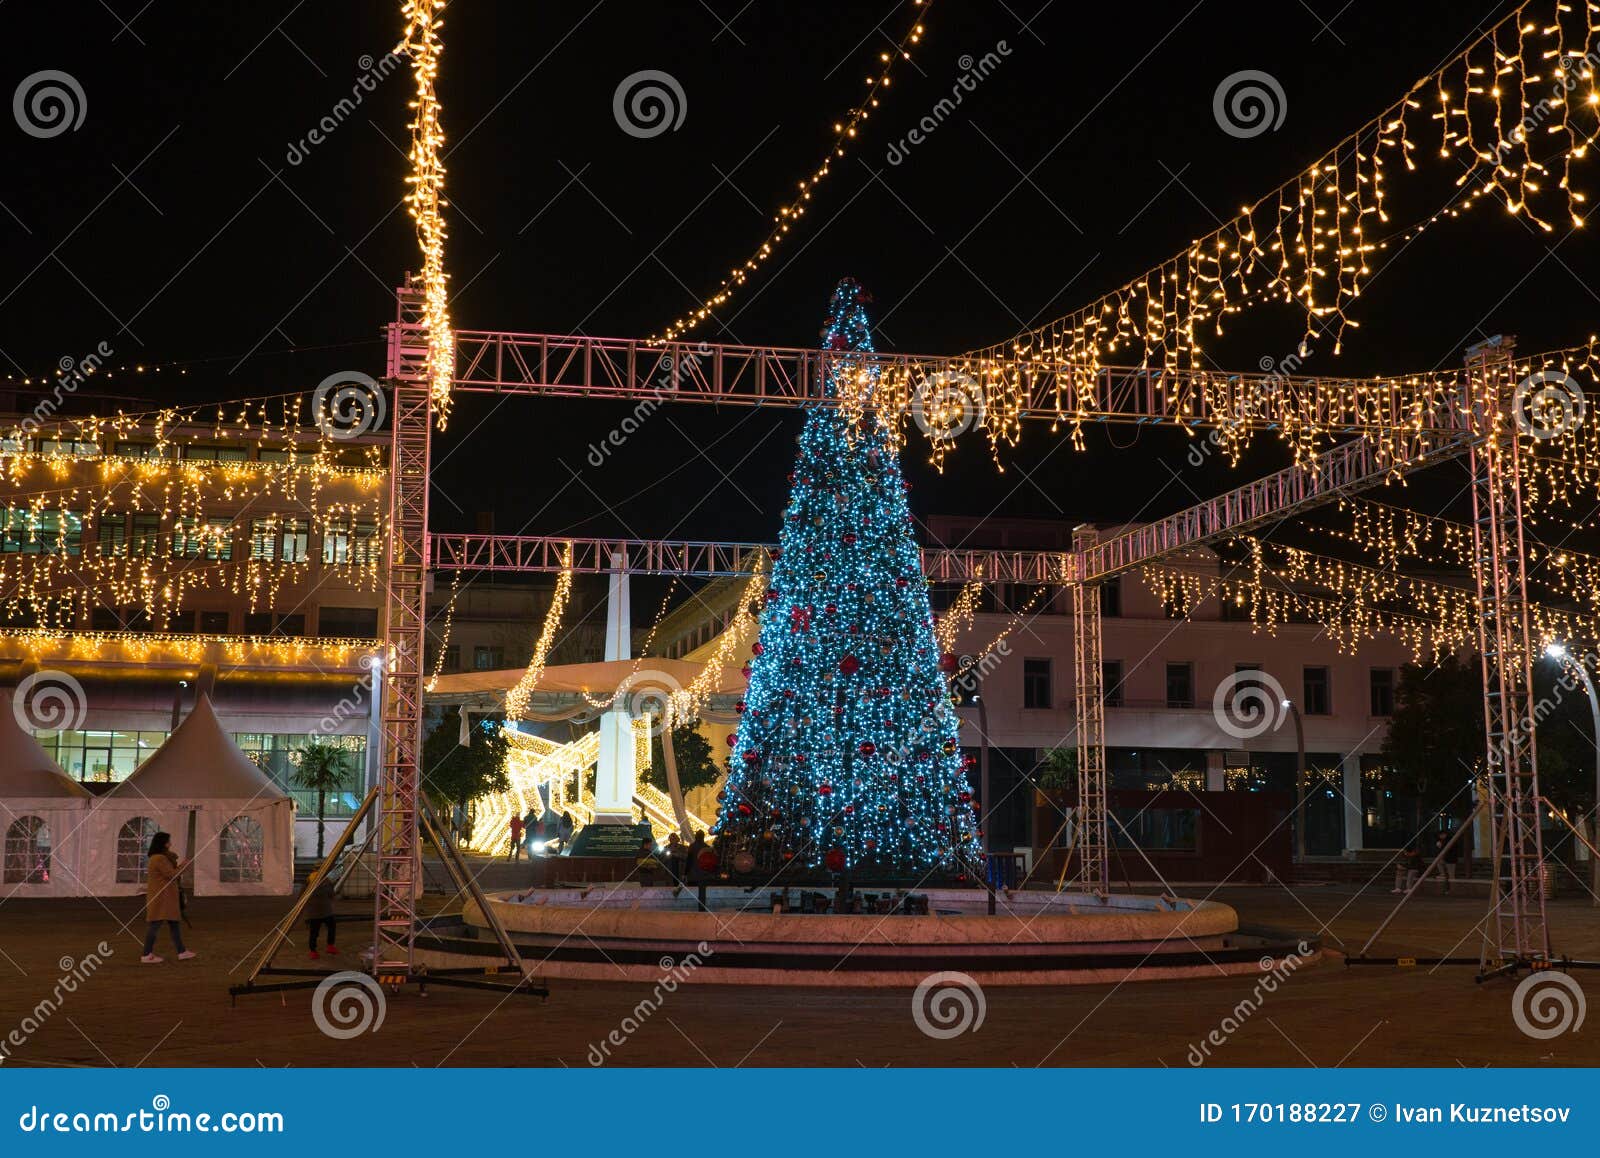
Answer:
(1559, 652)
(1299, 778)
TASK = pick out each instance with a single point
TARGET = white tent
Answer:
(42, 814)
(222, 811)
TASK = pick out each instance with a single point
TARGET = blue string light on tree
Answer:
(847, 750)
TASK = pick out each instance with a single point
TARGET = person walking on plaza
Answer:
(319, 915)
(515, 851)
(530, 832)
(1408, 869)
(564, 832)
(1452, 857)
(161, 905)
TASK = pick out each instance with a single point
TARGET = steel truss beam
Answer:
(545, 554)
(580, 366)
(1346, 469)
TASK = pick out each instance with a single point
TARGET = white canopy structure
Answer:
(42, 814)
(223, 812)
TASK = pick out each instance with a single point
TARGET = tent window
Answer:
(242, 849)
(133, 838)
(28, 852)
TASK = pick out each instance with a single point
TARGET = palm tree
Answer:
(323, 769)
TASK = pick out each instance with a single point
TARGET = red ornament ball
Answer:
(708, 860)
(833, 860)
(849, 665)
(733, 738)
(824, 789)
(739, 707)
(745, 809)
(949, 662)
(867, 748)
(756, 648)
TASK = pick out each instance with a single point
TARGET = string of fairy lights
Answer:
(788, 215)
(443, 650)
(1278, 585)
(1310, 243)
(517, 697)
(125, 512)
(425, 199)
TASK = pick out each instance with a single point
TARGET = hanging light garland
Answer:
(1528, 79)
(1353, 603)
(517, 697)
(70, 486)
(789, 214)
(426, 199)
(444, 640)
(958, 616)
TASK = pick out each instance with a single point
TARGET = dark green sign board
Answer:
(610, 839)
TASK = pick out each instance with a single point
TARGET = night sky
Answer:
(173, 226)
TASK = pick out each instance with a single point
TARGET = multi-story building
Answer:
(145, 560)
(1172, 680)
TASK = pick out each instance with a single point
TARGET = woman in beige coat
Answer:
(161, 899)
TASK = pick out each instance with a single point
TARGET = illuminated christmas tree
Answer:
(847, 750)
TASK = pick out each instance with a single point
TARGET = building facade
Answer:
(1174, 717)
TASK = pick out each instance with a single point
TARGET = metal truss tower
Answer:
(1094, 855)
(399, 863)
(1517, 914)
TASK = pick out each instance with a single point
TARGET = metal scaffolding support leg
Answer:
(1520, 934)
(405, 615)
(1093, 842)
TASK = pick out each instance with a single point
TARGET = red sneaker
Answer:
(333, 950)
(314, 955)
